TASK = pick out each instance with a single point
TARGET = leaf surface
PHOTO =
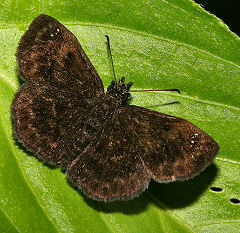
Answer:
(156, 45)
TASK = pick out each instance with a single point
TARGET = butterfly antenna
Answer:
(109, 47)
(157, 90)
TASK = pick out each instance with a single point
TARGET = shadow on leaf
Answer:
(180, 194)
(134, 206)
(172, 195)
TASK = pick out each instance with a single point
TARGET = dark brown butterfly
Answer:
(108, 148)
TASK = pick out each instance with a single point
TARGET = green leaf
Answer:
(155, 44)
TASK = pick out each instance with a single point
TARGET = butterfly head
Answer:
(121, 89)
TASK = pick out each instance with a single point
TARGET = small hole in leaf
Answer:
(216, 189)
(235, 200)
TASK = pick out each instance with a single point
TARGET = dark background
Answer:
(226, 10)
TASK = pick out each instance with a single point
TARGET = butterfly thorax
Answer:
(120, 89)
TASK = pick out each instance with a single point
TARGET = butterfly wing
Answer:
(110, 167)
(139, 144)
(50, 55)
(49, 109)
(47, 122)
(171, 148)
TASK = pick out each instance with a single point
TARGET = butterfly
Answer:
(108, 148)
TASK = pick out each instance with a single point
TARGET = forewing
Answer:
(50, 123)
(171, 148)
(50, 55)
(110, 168)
